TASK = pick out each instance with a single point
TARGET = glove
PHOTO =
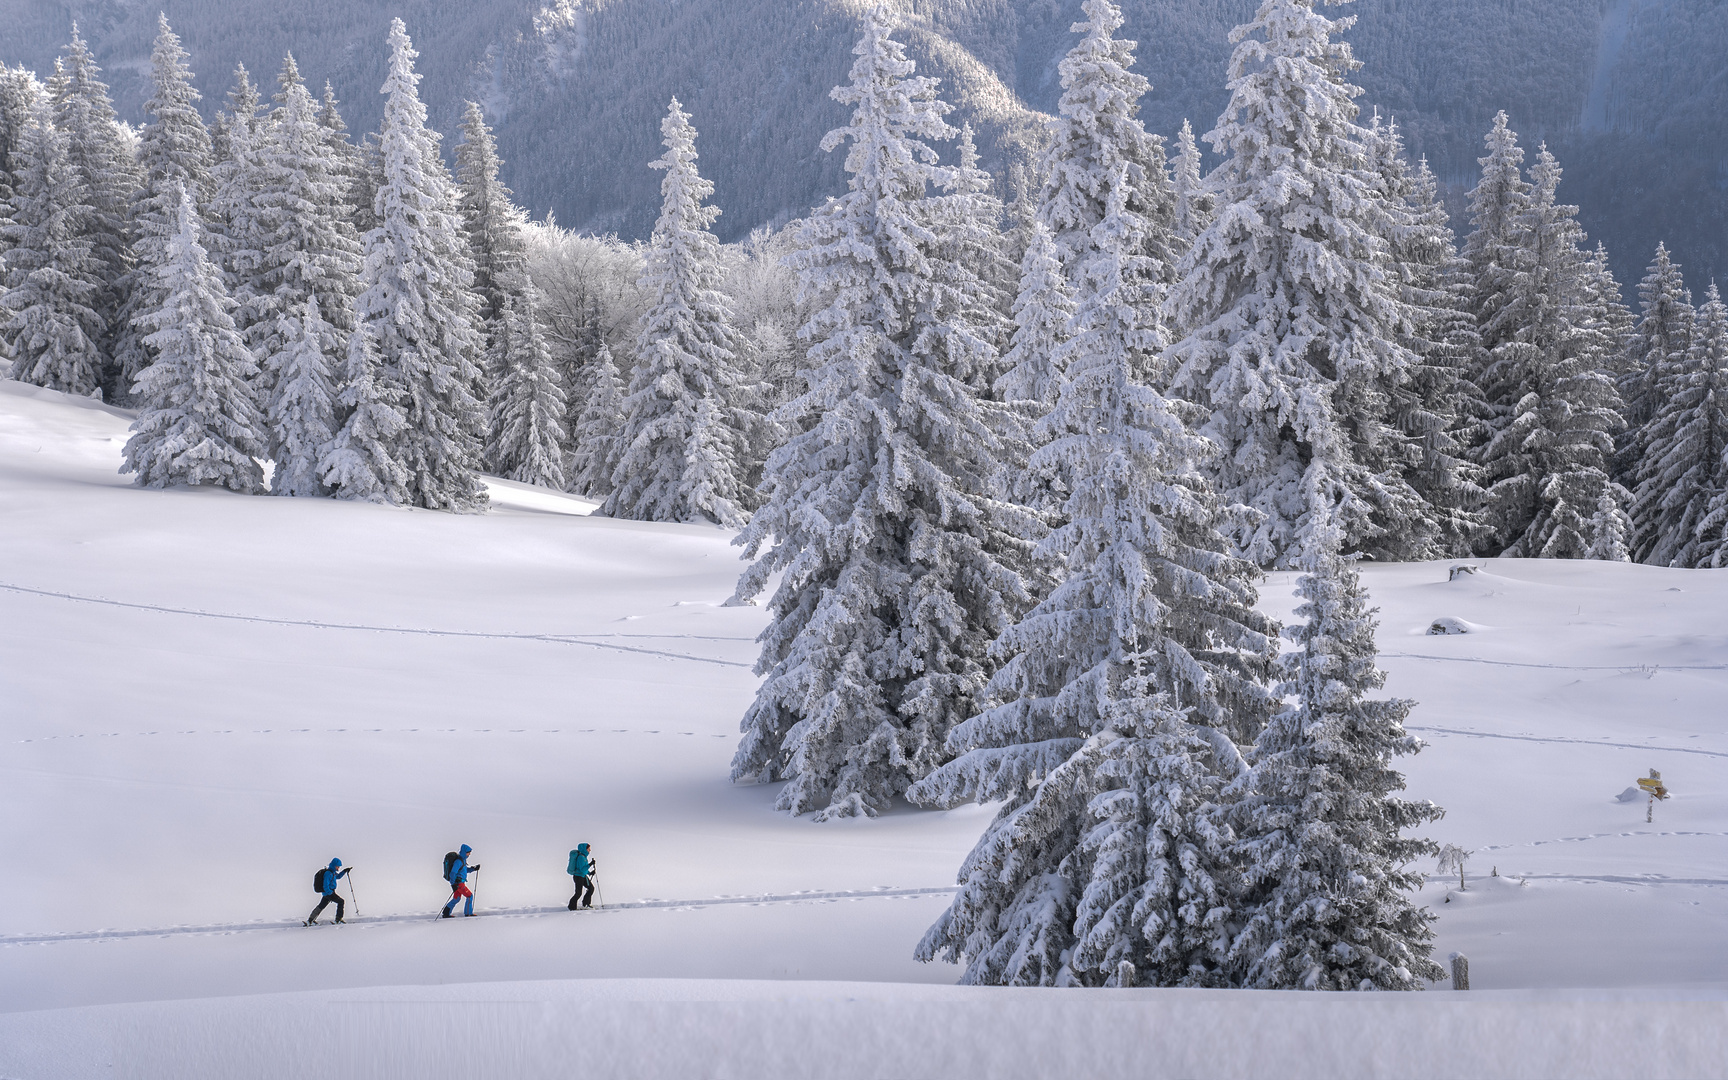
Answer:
(475, 867)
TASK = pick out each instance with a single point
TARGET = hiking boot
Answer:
(309, 922)
(339, 922)
(447, 915)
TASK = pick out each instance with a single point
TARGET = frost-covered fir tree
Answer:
(361, 463)
(1111, 726)
(1326, 901)
(686, 352)
(1437, 404)
(52, 276)
(238, 232)
(877, 520)
(101, 158)
(1658, 348)
(418, 308)
(1031, 379)
(1497, 200)
(1555, 408)
(174, 156)
(969, 216)
(493, 222)
(1042, 313)
(1195, 206)
(1611, 526)
(527, 414)
(1097, 140)
(597, 430)
(1291, 325)
(302, 410)
(1683, 468)
(308, 253)
(198, 419)
(348, 160)
(20, 95)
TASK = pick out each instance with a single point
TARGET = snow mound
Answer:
(1448, 625)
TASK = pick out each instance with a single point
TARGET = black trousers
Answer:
(584, 892)
(324, 903)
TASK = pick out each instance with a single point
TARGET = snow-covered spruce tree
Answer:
(347, 157)
(1710, 352)
(198, 419)
(1437, 403)
(1496, 201)
(1097, 140)
(1326, 899)
(1555, 408)
(302, 412)
(20, 95)
(1195, 206)
(493, 222)
(877, 520)
(597, 430)
(308, 255)
(236, 221)
(1609, 313)
(1684, 463)
(1111, 727)
(418, 308)
(174, 156)
(1291, 324)
(1657, 350)
(1611, 526)
(527, 413)
(51, 273)
(1032, 379)
(102, 160)
(686, 352)
(969, 216)
(361, 464)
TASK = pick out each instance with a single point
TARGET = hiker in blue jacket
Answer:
(327, 879)
(581, 868)
(458, 878)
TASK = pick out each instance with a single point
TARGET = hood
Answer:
(466, 849)
(581, 847)
(334, 863)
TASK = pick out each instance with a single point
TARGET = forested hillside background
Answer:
(1632, 95)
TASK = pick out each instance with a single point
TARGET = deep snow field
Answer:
(204, 697)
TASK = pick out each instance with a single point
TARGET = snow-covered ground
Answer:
(204, 697)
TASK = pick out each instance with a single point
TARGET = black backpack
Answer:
(450, 858)
(318, 881)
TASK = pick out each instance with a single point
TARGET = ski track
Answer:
(1629, 669)
(558, 639)
(375, 731)
(1577, 742)
(523, 912)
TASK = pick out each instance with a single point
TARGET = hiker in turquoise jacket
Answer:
(328, 877)
(581, 869)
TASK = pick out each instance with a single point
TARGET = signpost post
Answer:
(1652, 786)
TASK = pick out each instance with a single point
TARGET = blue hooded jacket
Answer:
(332, 875)
(459, 869)
(579, 865)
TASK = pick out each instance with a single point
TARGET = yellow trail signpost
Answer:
(1653, 787)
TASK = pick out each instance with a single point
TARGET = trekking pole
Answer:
(352, 895)
(476, 896)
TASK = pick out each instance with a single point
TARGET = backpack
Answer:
(318, 881)
(450, 858)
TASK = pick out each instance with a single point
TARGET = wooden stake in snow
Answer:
(1460, 971)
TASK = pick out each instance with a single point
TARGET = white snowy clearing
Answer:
(204, 697)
